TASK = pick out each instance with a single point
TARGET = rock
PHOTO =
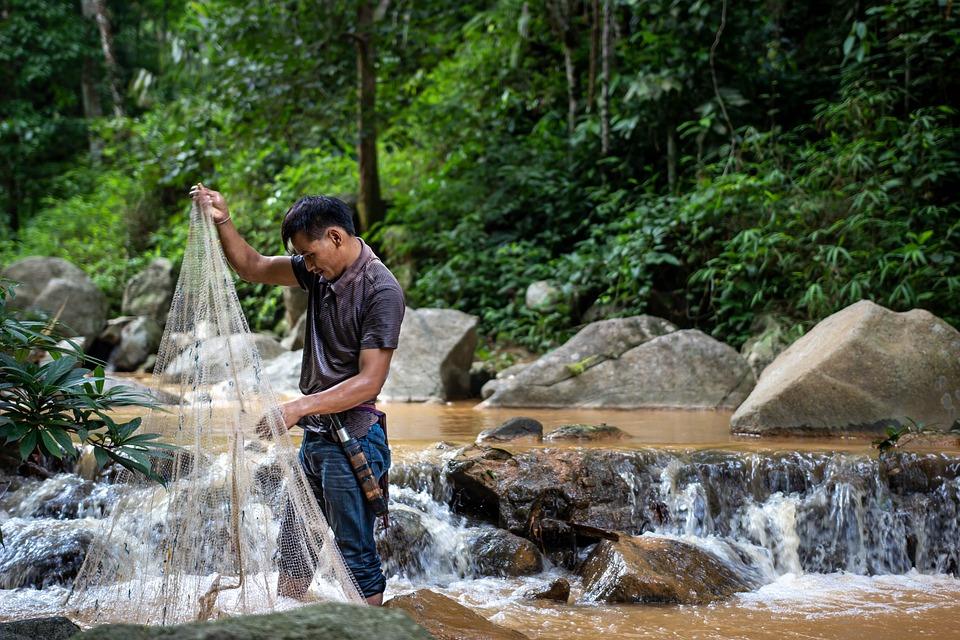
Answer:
(489, 388)
(434, 356)
(150, 292)
(761, 349)
(294, 341)
(862, 368)
(445, 619)
(294, 305)
(601, 368)
(593, 433)
(163, 397)
(53, 284)
(559, 590)
(283, 373)
(41, 553)
(655, 569)
(213, 354)
(138, 339)
(52, 628)
(542, 295)
(60, 497)
(518, 428)
(402, 544)
(329, 620)
(501, 553)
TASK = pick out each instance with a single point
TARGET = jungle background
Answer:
(714, 163)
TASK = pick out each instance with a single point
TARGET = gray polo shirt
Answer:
(362, 309)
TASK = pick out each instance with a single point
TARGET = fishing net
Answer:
(209, 544)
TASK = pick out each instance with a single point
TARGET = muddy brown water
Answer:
(834, 606)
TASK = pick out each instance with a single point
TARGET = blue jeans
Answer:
(343, 504)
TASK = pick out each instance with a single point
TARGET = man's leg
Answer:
(351, 517)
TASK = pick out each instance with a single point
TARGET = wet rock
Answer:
(630, 363)
(500, 553)
(180, 464)
(402, 544)
(138, 339)
(52, 628)
(329, 620)
(150, 292)
(39, 553)
(60, 497)
(654, 569)
(863, 368)
(446, 619)
(518, 428)
(434, 357)
(559, 591)
(586, 432)
(53, 285)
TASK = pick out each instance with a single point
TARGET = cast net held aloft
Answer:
(209, 543)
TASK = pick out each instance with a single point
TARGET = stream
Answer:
(842, 546)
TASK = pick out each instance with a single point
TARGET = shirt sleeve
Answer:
(382, 318)
(300, 271)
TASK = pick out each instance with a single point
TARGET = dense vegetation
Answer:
(708, 162)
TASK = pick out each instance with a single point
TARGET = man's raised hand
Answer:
(211, 202)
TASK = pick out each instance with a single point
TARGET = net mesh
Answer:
(209, 544)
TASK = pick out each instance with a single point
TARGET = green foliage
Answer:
(45, 406)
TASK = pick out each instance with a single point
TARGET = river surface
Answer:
(795, 602)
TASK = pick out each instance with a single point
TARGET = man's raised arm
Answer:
(245, 260)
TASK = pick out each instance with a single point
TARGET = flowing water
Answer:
(843, 546)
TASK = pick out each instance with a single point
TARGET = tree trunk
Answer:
(97, 9)
(605, 79)
(559, 11)
(370, 208)
(671, 159)
(594, 49)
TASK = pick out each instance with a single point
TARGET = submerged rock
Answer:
(862, 368)
(661, 570)
(402, 544)
(52, 628)
(559, 591)
(593, 433)
(446, 619)
(500, 553)
(631, 363)
(329, 620)
(518, 428)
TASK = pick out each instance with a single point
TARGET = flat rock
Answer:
(863, 368)
(329, 620)
(518, 428)
(434, 357)
(586, 432)
(657, 570)
(446, 619)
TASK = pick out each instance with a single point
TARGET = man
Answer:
(354, 310)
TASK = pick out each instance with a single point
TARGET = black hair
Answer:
(313, 215)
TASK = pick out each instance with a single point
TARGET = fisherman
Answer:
(354, 309)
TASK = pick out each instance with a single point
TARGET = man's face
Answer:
(320, 256)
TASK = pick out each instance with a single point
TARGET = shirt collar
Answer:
(350, 274)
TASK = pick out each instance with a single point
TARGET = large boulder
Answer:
(297, 336)
(283, 373)
(53, 285)
(294, 304)
(138, 339)
(863, 368)
(434, 357)
(631, 363)
(215, 354)
(150, 292)
(660, 570)
(446, 619)
(329, 620)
